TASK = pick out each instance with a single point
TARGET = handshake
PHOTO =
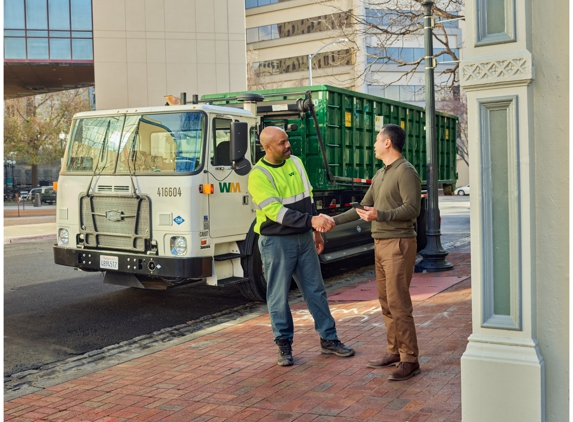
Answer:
(322, 223)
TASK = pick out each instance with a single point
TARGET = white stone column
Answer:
(502, 368)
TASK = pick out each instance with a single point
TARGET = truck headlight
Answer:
(178, 245)
(63, 237)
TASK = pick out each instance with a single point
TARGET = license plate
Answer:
(109, 262)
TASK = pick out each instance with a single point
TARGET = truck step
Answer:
(230, 280)
(227, 256)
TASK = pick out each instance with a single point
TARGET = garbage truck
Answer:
(157, 197)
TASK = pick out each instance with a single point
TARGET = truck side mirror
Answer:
(239, 140)
(239, 146)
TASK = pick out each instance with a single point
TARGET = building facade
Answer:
(281, 35)
(516, 365)
(135, 52)
(147, 49)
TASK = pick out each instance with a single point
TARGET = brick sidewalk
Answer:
(231, 375)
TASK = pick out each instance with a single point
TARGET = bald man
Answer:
(289, 229)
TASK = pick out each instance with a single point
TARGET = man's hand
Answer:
(368, 213)
(322, 223)
(318, 242)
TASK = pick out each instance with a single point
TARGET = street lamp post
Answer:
(433, 254)
(311, 56)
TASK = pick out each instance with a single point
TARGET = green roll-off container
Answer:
(349, 122)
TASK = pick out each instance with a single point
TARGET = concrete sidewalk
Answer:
(30, 224)
(230, 374)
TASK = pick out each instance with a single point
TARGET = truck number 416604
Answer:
(168, 191)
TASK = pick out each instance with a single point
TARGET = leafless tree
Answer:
(384, 24)
(32, 126)
(457, 105)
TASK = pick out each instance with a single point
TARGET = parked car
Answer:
(464, 190)
(47, 194)
(23, 195)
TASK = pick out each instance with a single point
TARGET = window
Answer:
(40, 30)
(60, 49)
(15, 48)
(155, 143)
(14, 14)
(81, 15)
(298, 27)
(221, 154)
(37, 48)
(82, 49)
(36, 14)
(59, 12)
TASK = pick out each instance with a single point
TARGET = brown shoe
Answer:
(406, 370)
(386, 360)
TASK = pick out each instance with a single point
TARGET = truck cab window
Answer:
(147, 143)
(221, 153)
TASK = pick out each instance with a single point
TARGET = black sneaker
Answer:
(335, 347)
(285, 352)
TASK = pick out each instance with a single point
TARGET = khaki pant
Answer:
(395, 259)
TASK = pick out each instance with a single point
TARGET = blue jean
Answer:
(285, 257)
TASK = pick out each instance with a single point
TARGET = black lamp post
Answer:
(433, 254)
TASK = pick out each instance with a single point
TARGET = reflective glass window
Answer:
(264, 33)
(37, 33)
(14, 48)
(274, 32)
(14, 33)
(250, 3)
(264, 2)
(60, 34)
(82, 15)
(82, 34)
(59, 12)
(82, 49)
(60, 49)
(36, 14)
(37, 48)
(393, 92)
(14, 14)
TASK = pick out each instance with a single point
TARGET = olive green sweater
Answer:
(396, 194)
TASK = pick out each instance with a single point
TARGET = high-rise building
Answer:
(283, 35)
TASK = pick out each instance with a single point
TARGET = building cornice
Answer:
(497, 71)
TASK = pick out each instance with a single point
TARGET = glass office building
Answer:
(52, 30)
(41, 39)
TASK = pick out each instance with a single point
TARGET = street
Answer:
(52, 313)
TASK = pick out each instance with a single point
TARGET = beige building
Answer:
(146, 49)
(516, 365)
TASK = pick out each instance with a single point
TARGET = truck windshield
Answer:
(155, 143)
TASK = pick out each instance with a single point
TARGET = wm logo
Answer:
(292, 174)
(229, 187)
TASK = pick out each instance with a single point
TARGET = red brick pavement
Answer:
(231, 375)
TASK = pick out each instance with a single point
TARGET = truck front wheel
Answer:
(256, 287)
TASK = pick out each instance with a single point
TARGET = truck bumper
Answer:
(133, 263)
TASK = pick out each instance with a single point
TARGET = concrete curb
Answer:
(25, 239)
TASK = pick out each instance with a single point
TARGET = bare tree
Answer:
(379, 27)
(32, 126)
(457, 105)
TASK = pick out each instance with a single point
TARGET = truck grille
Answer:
(115, 222)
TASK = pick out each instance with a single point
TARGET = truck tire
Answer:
(256, 287)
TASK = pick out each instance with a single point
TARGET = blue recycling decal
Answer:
(178, 219)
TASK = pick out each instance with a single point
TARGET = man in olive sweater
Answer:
(392, 203)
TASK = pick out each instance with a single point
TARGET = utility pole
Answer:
(433, 254)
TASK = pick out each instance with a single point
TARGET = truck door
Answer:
(229, 205)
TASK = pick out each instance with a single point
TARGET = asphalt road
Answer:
(52, 313)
